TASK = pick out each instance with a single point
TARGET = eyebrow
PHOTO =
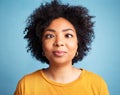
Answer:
(64, 30)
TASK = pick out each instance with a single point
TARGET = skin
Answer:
(60, 46)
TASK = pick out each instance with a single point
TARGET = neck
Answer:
(62, 74)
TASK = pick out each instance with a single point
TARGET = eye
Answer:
(48, 36)
(68, 35)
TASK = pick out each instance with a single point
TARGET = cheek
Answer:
(47, 46)
(72, 49)
(73, 45)
(46, 50)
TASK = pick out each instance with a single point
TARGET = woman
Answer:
(60, 35)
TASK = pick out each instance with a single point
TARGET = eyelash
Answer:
(48, 36)
(69, 35)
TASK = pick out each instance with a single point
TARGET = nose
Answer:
(58, 44)
(59, 41)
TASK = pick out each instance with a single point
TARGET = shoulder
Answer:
(34, 74)
(31, 77)
(28, 82)
(91, 75)
(92, 78)
(96, 82)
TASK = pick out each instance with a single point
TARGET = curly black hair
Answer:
(45, 14)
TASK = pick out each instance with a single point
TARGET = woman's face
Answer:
(60, 42)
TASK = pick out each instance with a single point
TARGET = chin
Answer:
(61, 62)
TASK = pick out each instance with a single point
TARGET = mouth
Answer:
(59, 53)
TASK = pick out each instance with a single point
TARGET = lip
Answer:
(59, 53)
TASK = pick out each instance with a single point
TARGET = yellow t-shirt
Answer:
(37, 83)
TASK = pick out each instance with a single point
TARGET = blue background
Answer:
(103, 59)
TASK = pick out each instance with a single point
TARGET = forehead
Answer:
(61, 23)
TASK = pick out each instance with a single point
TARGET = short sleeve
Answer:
(104, 89)
(20, 87)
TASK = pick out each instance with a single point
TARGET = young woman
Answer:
(60, 35)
